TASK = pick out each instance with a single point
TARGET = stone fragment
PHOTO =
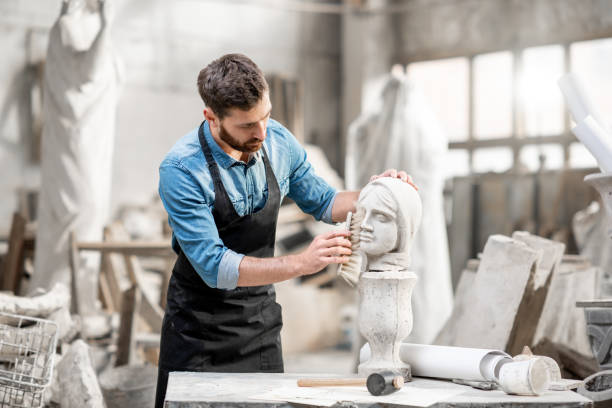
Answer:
(36, 306)
(68, 326)
(78, 384)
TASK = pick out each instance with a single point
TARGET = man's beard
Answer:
(250, 146)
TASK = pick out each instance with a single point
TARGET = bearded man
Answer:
(222, 185)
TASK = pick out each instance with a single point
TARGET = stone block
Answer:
(561, 322)
(486, 315)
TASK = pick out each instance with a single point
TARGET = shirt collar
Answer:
(223, 159)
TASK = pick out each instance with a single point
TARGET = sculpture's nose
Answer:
(365, 224)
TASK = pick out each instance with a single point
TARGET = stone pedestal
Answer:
(602, 182)
(598, 313)
(385, 319)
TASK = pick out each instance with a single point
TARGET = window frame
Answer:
(518, 139)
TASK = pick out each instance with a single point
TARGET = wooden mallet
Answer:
(383, 383)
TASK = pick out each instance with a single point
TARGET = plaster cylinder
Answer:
(385, 318)
(527, 377)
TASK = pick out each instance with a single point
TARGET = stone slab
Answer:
(486, 315)
(199, 390)
(561, 321)
(594, 303)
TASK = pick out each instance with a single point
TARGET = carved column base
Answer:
(385, 319)
(599, 330)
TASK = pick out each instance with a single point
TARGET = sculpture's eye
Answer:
(382, 217)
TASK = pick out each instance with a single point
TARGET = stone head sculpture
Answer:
(390, 211)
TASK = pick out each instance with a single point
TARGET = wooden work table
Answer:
(197, 390)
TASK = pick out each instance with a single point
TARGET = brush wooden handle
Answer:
(330, 382)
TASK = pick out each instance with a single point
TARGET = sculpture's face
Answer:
(378, 232)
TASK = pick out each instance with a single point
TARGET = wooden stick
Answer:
(126, 343)
(143, 248)
(330, 382)
(12, 267)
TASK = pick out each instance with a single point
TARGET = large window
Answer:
(504, 110)
(492, 89)
(445, 85)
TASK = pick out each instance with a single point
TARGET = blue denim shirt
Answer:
(187, 192)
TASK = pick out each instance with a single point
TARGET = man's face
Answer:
(245, 131)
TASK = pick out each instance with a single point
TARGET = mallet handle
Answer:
(330, 382)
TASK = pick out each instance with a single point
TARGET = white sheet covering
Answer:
(80, 98)
(402, 133)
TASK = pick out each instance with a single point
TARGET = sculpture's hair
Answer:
(231, 81)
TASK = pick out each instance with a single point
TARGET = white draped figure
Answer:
(79, 103)
(403, 133)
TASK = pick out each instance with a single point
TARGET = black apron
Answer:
(216, 330)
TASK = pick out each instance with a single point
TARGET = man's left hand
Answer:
(402, 175)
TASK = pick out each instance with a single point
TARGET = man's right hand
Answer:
(325, 249)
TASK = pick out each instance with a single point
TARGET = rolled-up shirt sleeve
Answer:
(194, 229)
(310, 192)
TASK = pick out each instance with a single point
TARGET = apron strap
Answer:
(212, 164)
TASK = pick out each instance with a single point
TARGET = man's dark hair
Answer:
(232, 81)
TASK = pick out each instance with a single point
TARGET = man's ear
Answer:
(210, 116)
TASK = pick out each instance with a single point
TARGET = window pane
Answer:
(493, 95)
(445, 85)
(497, 159)
(457, 163)
(553, 156)
(580, 157)
(592, 62)
(542, 103)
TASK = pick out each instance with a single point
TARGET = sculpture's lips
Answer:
(365, 237)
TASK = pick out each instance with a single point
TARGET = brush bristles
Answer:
(350, 271)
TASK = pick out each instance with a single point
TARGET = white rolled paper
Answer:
(577, 100)
(597, 140)
(449, 362)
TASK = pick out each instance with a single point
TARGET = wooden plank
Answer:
(12, 267)
(75, 296)
(126, 343)
(105, 293)
(110, 273)
(149, 310)
(142, 248)
(107, 271)
(148, 339)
